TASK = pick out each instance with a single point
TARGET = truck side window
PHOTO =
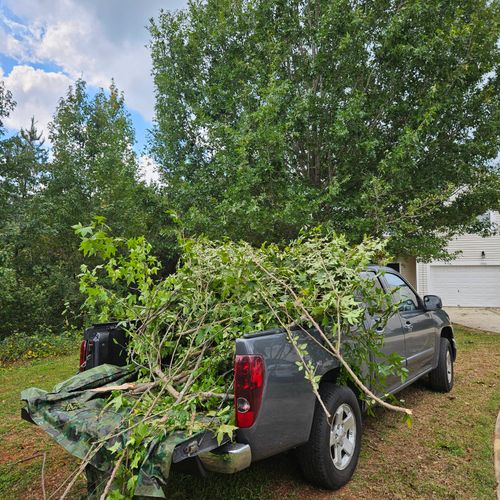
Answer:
(402, 293)
(370, 275)
(373, 278)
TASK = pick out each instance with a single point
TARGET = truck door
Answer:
(394, 340)
(418, 325)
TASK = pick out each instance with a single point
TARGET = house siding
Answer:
(422, 278)
(407, 268)
(470, 247)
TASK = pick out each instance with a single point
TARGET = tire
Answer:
(441, 378)
(330, 465)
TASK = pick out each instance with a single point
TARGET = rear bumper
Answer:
(228, 459)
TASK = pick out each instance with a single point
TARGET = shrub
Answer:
(43, 344)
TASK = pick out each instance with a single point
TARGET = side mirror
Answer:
(432, 302)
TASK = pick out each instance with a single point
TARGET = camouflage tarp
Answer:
(77, 418)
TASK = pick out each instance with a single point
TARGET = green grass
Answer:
(20, 440)
(447, 454)
(41, 373)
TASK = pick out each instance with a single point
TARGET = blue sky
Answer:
(46, 44)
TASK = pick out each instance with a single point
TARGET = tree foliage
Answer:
(375, 118)
(92, 170)
(24, 299)
(7, 104)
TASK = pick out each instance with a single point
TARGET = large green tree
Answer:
(94, 167)
(93, 170)
(376, 117)
(7, 104)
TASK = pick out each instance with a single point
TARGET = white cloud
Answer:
(95, 40)
(149, 170)
(36, 93)
(9, 45)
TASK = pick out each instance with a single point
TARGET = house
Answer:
(472, 279)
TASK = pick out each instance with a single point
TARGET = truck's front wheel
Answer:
(441, 378)
(330, 456)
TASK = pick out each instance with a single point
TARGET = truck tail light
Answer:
(248, 388)
(83, 355)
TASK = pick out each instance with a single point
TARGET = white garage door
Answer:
(474, 286)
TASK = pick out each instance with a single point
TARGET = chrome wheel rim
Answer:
(449, 366)
(343, 436)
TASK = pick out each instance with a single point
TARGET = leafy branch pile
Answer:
(186, 324)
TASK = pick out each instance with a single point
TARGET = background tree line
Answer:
(91, 169)
(375, 118)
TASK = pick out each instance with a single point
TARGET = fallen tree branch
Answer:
(112, 477)
(332, 348)
(209, 394)
(171, 390)
(109, 388)
(129, 386)
(302, 360)
(32, 457)
(74, 476)
(191, 378)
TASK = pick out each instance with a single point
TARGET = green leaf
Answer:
(115, 448)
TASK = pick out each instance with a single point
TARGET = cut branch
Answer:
(332, 348)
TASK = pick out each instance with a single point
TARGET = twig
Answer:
(112, 477)
(191, 378)
(299, 354)
(349, 370)
(166, 381)
(153, 404)
(36, 455)
(146, 386)
(43, 477)
(80, 469)
(209, 394)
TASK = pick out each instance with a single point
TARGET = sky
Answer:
(45, 45)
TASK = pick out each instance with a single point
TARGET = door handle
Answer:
(378, 329)
(408, 325)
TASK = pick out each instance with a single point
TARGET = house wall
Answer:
(422, 278)
(471, 246)
(408, 269)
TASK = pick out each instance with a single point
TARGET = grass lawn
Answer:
(447, 454)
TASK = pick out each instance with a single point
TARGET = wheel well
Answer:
(330, 377)
(447, 333)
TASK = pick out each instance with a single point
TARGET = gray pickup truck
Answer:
(285, 413)
(275, 408)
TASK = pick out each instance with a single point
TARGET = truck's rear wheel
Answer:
(330, 457)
